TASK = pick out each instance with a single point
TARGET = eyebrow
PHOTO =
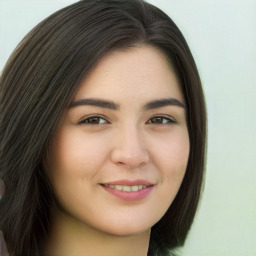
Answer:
(96, 102)
(163, 103)
(115, 106)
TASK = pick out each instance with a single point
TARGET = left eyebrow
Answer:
(163, 103)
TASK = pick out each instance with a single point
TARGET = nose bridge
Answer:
(130, 146)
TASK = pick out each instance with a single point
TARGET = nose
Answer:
(130, 148)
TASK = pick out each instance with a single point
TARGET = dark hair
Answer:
(39, 82)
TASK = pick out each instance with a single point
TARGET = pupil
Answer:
(157, 120)
(94, 120)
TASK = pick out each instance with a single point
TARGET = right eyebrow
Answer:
(96, 102)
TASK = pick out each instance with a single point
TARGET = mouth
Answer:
(126, 188)
(129, 190)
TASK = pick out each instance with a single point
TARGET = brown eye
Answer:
(160, 120)
(94, 120)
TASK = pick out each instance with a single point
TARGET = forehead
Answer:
(139, 71)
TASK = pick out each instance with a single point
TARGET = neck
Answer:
(69, 236)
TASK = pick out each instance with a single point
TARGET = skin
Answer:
(131, 142)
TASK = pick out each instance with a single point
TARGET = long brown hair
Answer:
(39, 82)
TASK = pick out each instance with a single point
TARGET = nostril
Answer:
(132, 163)
(126, 165)
(129, 154)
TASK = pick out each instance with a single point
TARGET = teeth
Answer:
(127, 188)
(119, 187)
(135, 188)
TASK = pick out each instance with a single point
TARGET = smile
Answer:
(129, 190)
(126, 188)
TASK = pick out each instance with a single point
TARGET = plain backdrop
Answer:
(222, 38)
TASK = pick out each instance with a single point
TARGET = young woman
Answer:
(102, 134)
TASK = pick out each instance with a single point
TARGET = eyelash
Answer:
(168, 120)
(90, 119)
(96, 120)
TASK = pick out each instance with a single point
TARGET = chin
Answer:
(125, 233)
(126, 229)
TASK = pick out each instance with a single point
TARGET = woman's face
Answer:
(121, 153)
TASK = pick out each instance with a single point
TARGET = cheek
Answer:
(172, 162)
(170, 157)
(172, 153)
(75, 152)
(75, 162)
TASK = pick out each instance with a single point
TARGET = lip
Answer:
(132, 195)
(129, 182)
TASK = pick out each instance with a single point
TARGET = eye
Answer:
(94, 120)
(161, 120)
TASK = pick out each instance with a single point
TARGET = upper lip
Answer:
(129, 182)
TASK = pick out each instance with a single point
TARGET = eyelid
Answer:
(82, 120)
(170, 119)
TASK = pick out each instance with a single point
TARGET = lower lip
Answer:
(129, 196)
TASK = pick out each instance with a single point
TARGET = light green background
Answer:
(222, 37)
